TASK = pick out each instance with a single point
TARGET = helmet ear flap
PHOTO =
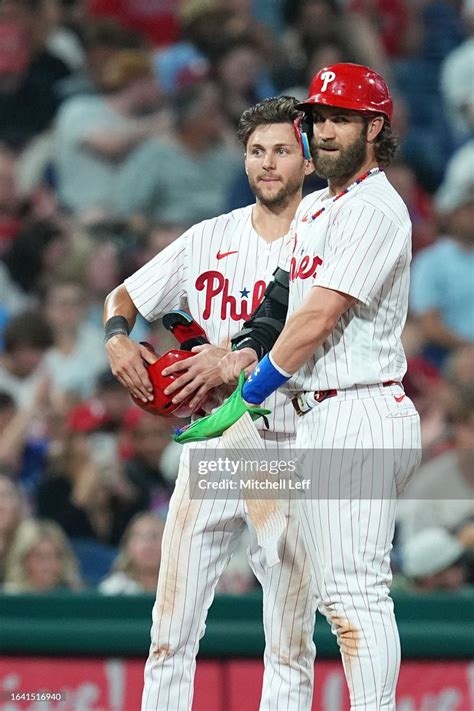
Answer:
(304, 131)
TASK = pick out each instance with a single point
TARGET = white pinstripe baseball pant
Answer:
(198, 541)
(349, 539)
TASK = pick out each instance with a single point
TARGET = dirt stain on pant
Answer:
(348, 636)
(163, 652)
(174, 562)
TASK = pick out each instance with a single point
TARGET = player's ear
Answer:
(374, 127)
(308, 167)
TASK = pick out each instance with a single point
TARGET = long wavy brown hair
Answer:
(386, 145)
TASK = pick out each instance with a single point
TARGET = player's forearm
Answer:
(303, 333)
(308, 327)
(119, 303)
(115, 145)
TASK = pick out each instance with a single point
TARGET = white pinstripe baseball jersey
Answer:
(220, 299)
(360, 245)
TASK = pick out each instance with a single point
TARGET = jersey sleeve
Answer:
(363, 248)
(159, 286)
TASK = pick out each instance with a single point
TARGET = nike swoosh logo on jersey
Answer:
(399, 398)
(221, 255)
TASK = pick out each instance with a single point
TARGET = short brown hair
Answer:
(125, 67)
(278, 109)
(27, 329)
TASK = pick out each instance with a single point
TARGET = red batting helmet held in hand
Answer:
(162, 404)
(350, 86)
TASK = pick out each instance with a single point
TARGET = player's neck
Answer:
(337, 185)
(273, 222)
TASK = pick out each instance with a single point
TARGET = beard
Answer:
(347, 162)
(281, 197)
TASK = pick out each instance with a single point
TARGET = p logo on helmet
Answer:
(327, 77)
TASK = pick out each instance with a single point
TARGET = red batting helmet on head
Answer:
(350, 86)
(162, 404)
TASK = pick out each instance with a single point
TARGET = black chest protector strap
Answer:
(266, 323)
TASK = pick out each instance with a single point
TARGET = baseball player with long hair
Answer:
(340, 359)
(223, 266)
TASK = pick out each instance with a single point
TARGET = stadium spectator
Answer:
(10, 199)
(429, 391)
(312, 23)
(7, 411)
(403, 179)
(55, 51)
(23, 438)
(434, 560)
(77, 355)
(37, 255)
(140, 191)
(204, 25)
(12, 511)
(183, 179)
(442, 291)
(29, 72)
(243, 76)
(208, 29)
(442, 29)
(105, 410)
(159, 237)
(101, 40)
(155, 20)
(442, 492)
(245, 22)
(102, 270)
(95, 134)
(457, 80)
(459, 371)
(12, 300)
(40, 560)
(63, 40)
(27, 337)
(147, 436)
(85, 490)
(136, 567)
(392, 21)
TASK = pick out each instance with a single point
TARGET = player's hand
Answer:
(126, 358)
(215, 424)
(232, 364)
(199, 374)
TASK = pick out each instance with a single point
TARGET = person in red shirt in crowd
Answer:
(155, 19)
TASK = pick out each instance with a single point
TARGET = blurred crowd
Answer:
(117, 132)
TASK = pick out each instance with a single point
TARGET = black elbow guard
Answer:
(267, 321)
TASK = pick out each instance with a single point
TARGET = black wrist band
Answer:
(114, 326)
(250, 342)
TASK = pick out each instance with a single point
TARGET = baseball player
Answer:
(222, 266)
(340, 359)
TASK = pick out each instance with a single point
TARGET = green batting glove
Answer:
(220, 420)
